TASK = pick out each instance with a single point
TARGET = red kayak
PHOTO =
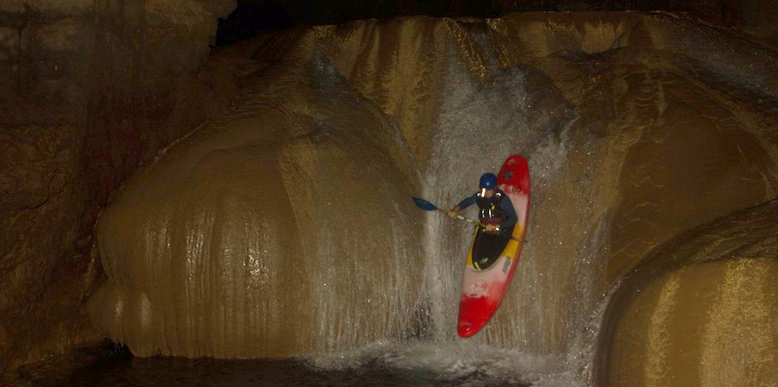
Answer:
(492, 259)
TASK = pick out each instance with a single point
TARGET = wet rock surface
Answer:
(81, 83)
(700, 309)
(669, 115)
(673, 112)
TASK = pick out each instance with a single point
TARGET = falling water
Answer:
(480, 124)
(313, 167)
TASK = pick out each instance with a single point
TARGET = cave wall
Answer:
(676, 128)
(699, 311)
(89, 91)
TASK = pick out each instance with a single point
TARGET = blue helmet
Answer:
(488, 181)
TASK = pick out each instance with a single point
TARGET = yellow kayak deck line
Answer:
(510, 250)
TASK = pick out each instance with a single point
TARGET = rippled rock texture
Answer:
(271, 232)
(88, 92)
(284, 228)
(701, 311)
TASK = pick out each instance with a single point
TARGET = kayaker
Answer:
(496, 208)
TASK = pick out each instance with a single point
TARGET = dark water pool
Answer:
(111, 365)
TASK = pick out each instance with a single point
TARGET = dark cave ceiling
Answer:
(252, 17)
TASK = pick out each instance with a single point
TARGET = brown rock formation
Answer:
(701, 311)
(271, 232)
(675, 128)
(81, 83)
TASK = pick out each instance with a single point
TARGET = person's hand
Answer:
(491, 228)
(453, 212)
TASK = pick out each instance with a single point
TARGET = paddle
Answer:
(427, 206)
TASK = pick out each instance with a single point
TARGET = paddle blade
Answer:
(424, 205)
